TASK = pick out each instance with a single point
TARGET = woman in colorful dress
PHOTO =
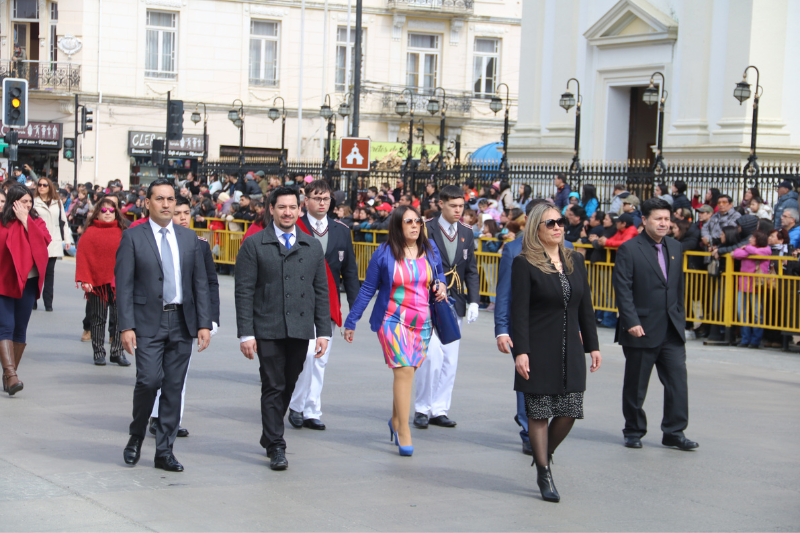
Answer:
(404, 270)
(553, 325)
(94, 273)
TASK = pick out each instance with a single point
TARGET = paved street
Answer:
(61, 462)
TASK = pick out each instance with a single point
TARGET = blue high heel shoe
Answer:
(406, 451)
(393, 434)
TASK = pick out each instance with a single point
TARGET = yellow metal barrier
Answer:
(770, 301)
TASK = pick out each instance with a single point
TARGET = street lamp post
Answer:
(433, 108)
(195, 119)
(496, 105)
(327, 113)
(568, 101)
(345, 109)
(650, 97)
(236, 115)
(401, 108)
(273, 114)
(742, 92)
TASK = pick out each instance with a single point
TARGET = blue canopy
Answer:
(489, 153)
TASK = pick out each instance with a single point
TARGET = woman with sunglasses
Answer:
(403, 271)
(553, 325)
(47, 204)
(94, 273)
(23, 257)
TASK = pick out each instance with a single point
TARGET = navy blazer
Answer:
(379, 279)
(340, 256)
(502, 303)
(465, 263)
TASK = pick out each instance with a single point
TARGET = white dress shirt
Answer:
(292, 240)
(176, 256)
(449, 229)
(318, 225)
(279, 232)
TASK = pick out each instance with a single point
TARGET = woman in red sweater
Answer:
(23, 262)
(94, 273)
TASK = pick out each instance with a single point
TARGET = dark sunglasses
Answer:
(43, 184)
(551, 223)
(409, 221)
(107, 209)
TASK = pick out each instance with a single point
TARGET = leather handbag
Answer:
(443, 314)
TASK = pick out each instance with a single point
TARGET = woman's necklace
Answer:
(412, 253)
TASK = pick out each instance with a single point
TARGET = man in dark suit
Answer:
(648, 281)
(282, 301)
(162, 304)
(437, 374)
(305, 408)
(182, 217)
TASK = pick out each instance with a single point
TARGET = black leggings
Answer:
(47, 290)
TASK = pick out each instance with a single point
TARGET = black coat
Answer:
(537, 323)
(340, 256)
(644, 297)
(465, 262)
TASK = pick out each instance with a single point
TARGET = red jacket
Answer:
(621, 236)
(19, 251)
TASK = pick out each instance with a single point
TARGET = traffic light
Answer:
(157, 152)
(15, 102)
(175, 120)
(69, 149)
(86, 119)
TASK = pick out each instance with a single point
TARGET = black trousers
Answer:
(99, 310)
(670, 362)
(281, 362)
(49, 278)
(161, 362)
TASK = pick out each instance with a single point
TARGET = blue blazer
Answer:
(379, 279)
(502, 304)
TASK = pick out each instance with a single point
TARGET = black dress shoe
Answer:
(183, 432)
(153, 425)
(682, 443)
(133, 450)
(442, 421)
(277, 459)
(295, 419)
(168, 463)
(313, 423)
(120, 360)
(420, 421)
(633, 442)
(527, 449)
(48, 309)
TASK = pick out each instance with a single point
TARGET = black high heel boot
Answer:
(546, 485)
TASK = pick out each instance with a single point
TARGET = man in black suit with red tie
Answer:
(649, 285)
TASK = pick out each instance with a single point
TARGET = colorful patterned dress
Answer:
(406, 328)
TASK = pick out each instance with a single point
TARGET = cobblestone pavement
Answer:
(61, 462)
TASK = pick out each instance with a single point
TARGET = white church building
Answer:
(701, 47)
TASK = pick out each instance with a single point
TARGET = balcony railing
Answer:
(464, 7)
(457, 103)
(57, 76)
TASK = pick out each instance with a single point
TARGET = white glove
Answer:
(472, 313)
(214, 328)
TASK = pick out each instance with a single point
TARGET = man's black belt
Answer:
(172, 307)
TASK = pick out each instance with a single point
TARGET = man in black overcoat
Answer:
(649, 285)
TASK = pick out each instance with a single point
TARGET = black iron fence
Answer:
(637, 176)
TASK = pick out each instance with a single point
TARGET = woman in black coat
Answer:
(551, 294)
